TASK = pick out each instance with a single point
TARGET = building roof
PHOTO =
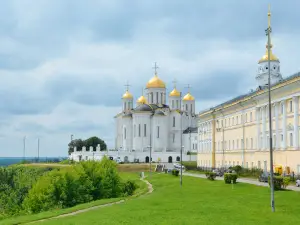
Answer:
(252, 93)
(190, 130)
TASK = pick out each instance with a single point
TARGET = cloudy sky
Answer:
(64, 63)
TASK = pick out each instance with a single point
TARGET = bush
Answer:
(230, 178)
(280, 182)
(129, 187)
(286, 182)
(211, 175)
(175, 172)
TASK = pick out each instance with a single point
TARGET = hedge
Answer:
(230, 178)
(210, 175)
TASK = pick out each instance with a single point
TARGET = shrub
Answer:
(230, 178)
(278, 182)
(211, 175)
(129, 187)
(286, 182)
(175, 172)
(227, 178)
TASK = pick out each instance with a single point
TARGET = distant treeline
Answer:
(28, 190)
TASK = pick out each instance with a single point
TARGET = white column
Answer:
(264, 124)
(296, 121)
(258, 127)
(284, 124)
(277, 141)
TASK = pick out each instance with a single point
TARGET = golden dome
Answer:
(174, 93)
(127, 95)
(142, 100)
(155, 82)
(265, 57)
(188, 97)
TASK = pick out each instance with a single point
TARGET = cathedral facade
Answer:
(237, 132)
(156, 123)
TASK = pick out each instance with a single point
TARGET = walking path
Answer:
(150, 190)
(242, 180)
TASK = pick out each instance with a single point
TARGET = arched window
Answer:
(291, 139)
(124, 105)
(174, 121)
(125, 133)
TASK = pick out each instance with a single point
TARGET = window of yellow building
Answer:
(291, 106)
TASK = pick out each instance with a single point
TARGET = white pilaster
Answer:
(264, 124)
(277, 141)
(296, 121)
(284, 124)
(258, 127)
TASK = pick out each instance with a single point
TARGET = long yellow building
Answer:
(237, 131)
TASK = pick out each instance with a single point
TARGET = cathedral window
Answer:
(125, 133)
(173, 138)
(134, 130)
(186, 107)
(191, 108)
(156, 97)
(124, 105)
(145, 130)
(291, 139)
(173, 121)
(139, 130)
(161, 96)
(157, 131)
(151, 97)
(177, 104)
(172, 104)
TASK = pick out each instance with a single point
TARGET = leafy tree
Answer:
(92, 141)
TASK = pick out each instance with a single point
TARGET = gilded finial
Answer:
(269, 16)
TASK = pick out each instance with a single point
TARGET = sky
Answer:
(64, 64)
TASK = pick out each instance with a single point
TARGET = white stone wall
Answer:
(140, 141)
(263, 73)
(160, 142)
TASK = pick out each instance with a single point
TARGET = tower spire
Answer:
(269, 26)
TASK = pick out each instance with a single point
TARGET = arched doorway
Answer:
(177, 158)
(126, 159)
(170, 159)
(147, 159)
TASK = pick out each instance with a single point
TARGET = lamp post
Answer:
(24, 148)
(181, 112)
(268, 33)
(38, 145)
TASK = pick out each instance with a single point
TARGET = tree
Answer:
(92, 141)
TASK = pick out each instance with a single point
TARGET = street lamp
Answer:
(268, 33)
(181, 147)
(24, 148)
(150, 169)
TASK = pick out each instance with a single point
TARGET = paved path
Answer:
(242, 180)
(150, 190)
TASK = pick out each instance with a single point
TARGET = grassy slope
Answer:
(199, 202)
(43, 215)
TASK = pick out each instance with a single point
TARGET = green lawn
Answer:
(199, 201)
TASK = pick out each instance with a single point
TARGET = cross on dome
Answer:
(127, 85)
(155, 68)
(174, 83)
(188, 86)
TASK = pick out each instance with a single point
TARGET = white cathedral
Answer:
(157, 125)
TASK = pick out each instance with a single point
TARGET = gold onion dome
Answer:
(174, 93)
(142, 100)
(265, 58)
(155, 82)
(127, 95)
(188, 97)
